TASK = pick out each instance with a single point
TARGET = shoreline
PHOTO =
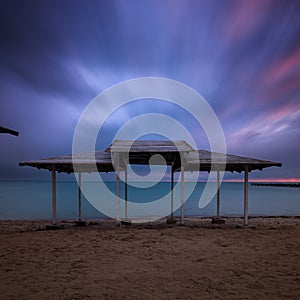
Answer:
(13, 226)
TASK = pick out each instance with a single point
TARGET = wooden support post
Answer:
(126, 193)
(79, 196)
(117, 164)
(53, 194)
(246, 197)
(218, 194)
(182, 193)
(172, 190)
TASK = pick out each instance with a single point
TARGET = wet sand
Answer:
(152, 261)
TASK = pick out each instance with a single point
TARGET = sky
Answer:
(242, 56)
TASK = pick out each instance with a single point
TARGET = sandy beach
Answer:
(151, 261)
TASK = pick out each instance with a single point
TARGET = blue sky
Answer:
(242, 56)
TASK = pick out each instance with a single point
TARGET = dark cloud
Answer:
(242, 56)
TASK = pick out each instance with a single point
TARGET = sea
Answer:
(31, 200)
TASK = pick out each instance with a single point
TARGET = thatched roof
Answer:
(140, 153)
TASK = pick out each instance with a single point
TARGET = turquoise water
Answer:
(32, 200)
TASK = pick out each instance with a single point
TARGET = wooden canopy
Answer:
(178, 154)
(140, 152)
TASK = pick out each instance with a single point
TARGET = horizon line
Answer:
(288, 180)
(265, 180)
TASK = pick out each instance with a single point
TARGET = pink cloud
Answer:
(282, 77)
(283, 69)
(281, 90)
(246, 17)
(266, 124)
(289, 112)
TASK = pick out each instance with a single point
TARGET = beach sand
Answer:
(152, 261)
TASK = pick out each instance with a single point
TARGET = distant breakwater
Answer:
(291, 185)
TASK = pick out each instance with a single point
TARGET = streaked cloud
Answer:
(242, 56)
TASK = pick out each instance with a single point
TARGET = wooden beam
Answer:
(53, 194)
(126, 193)
(182, 193)
(246, 196)
(218, 194)
(79, 196)
(118, 185)
(172, 190)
